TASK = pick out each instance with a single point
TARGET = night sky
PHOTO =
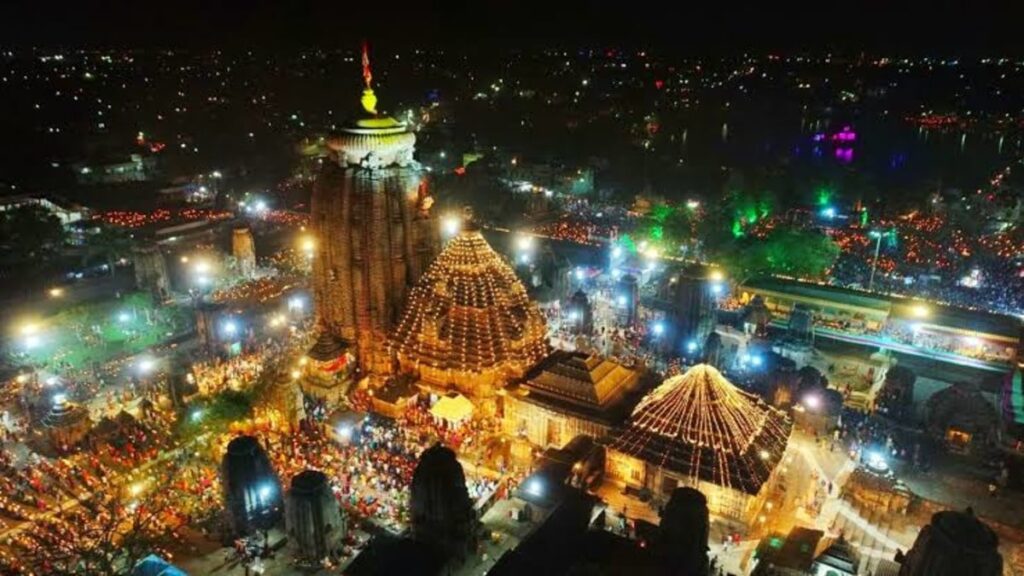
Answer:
(699, 27)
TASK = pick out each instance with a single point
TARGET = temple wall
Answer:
(544, 427)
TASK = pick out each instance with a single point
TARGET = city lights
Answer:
(451, 225)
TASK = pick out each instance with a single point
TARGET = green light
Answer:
(737, 229)
(864, 218)
(657, 232)
(824, 196)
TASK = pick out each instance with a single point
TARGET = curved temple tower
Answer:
(375, 235)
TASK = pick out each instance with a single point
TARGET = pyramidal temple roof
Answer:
(700, 425)
(470, 314)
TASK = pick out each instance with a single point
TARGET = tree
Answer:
(109, 242)
(30, 232)
(784, 252)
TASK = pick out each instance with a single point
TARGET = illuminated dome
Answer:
(468, 321)
(699, 425)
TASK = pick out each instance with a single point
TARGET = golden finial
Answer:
(368, 99)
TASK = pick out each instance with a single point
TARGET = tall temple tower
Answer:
(375, 234)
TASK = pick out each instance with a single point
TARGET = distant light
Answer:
(574, 315)
(691, 346)
(146, 365)
(261, 206)
(203, 280)
(617, 252)
(829, 212)
(295, 303)
(196, 415)
(135, 489)
(123, 317)
(296, 374)
(920, 311)
(972, 341)
(764, 454)
(524, 242)
(716, 275)
(52, 381)
(56, 292)
(202, 267)
(915, 327)
(59, 399)
(717, 288)
(622, 301)
(308, 244)
(230, 327)
(580, 274)
(32, 341)
(658, 329)
(345, 432)
(524, 258)
(29, 329)
(184, 259)
(756, 360)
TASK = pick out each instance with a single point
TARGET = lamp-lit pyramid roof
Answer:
(470, 315)
(700, 425)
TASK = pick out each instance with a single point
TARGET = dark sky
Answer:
(940, 26)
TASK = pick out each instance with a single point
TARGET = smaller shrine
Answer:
(65, 425)
(315, 523)
(327, 370)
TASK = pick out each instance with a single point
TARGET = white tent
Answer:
(453, 408)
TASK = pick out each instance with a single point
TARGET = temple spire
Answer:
(368, 99)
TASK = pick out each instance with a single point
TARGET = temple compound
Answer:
(373, 228)
(699, 430)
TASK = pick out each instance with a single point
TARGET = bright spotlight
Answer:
(451, 225)
(56, 292)
(716, 275)
(658, 329)
(617, 252)
(756, 361)
(764, 454)
(32, 341)
(202, 267)
(196, 415)
(265, 491)
(691, 346)
(29, 329)
(123, 317)
(812, 401)
(59, 399)
(717, 288)
(622, 301)
(345, 432)
(920, 311)
(295, 303)
(230, 327)
(580, 274)
(829, 212)
(877, 461)
(524, 242)
(146, 365)
(308, 244)
(51, 381)
(535, 487)
(261, 206)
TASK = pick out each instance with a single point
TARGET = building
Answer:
(569, 394)
(65, 212)
(699, 430)
(326, 370)
(134, 168)
(243, 248)
(469, 323)
(373, 230)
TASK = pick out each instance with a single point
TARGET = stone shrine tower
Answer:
(243, 248)
(375, 234)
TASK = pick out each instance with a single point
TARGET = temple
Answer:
(699, 430)
(374, 232)
(469, 323)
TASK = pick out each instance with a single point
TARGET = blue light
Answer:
(829, 212)
(658, 329)
(756, 360)
(717, 288)
(691, 346)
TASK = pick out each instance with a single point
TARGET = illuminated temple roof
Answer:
(700, 425)
(578, 382)
(468, 321)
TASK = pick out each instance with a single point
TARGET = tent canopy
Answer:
(454, 408)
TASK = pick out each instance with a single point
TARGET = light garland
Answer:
(469, 315)
(700, 425)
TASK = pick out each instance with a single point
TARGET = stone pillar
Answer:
(151, 270)
(682, 545)
(316, 524)
(243, 248)
(954, 544)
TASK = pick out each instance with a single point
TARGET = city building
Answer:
(569, 394)
(469, 322)
(66, 212)
(374, 235)
(699, 430)
(134, 168)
